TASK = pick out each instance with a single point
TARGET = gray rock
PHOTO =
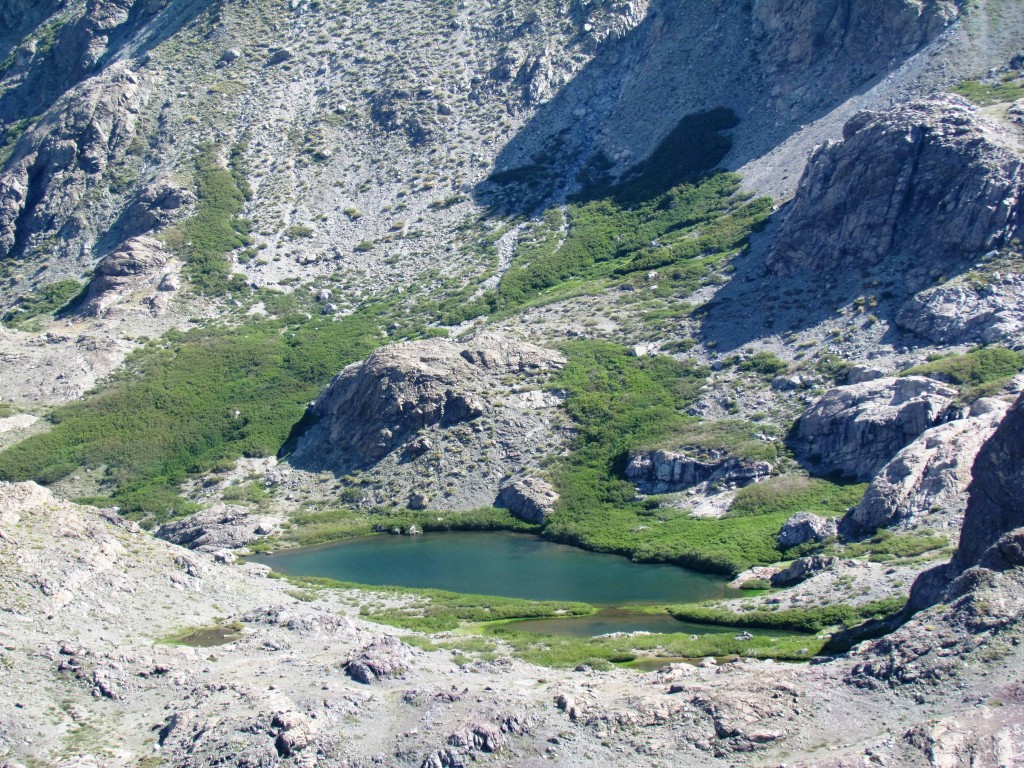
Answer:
(374, 407)
(804, 568)
(856, 429)
(669, 472)
(63, 157)
(940, 191)
(221, 527)
(385, 657)
(837, 44)
(528, 498)
(968, 312)
(136, 264)
(861, 373)
(479, 736)
(926, 482)
(418, 500)
(804, 527)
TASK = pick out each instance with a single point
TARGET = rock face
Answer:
(529, 498)
(804, 527)
(994, 509)
(372, 408)
(942, 188)
(669, 472)
(63, 156)
(968, 312)
(139, 263)
(926, 482)
(856, 429)
(852, 40)
(220, 527)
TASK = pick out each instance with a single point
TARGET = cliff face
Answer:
(994, 522)
(943, 187)
(853, 40)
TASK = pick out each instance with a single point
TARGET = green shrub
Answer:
(795, 619)
(978, 373)
(47, 300)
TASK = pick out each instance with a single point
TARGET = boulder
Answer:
(856, 429)
(926, 482)
(528, 498)
(220, 527)
(385, 657)
(137, 264)
(669, 472)
(804, 527)
(804, 568)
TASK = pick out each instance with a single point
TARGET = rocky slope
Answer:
(277, 169)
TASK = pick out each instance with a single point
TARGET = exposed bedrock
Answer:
(925, 484)
(910, 195)
(851, 40)
(856, 429)
(670, 471)
(373, 407)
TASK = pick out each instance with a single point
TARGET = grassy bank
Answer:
(621, 402)
(795, 619)
(436, 610)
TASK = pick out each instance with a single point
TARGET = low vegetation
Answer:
(217, 227)
(620, 402)
(978, 373)
(436, 610)
(46, 300)
(794, 619)
(985, 93)
(199, 398)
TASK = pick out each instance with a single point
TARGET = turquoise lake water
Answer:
(498, 563)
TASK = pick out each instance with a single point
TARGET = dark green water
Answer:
(499, 563)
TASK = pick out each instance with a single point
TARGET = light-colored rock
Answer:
(372, 408)
(220, 527)
(804, 568)
(528, 498)
(968, 312)
(925, 484)
(804, 527)
(856, 429)
(669, 471)
(137, 265)
(383, 658)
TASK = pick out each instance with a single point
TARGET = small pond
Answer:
(505, 564)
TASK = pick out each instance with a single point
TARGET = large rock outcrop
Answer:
(373, 407)
(985, 311)
(849, 40)
(856, 429)
(222, 526)
(64, 156)
(528, 498)
(925, 484)
(138, 266)
(669, 471)
(995, 512)
(910, 195)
